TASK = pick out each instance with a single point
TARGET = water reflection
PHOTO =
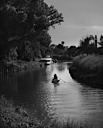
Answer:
(67, 100)
(60, 67)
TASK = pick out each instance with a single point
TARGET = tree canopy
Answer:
(26, 20)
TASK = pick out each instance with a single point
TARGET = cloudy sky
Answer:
(81, 18)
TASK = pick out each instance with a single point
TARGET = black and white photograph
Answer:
(51, 63)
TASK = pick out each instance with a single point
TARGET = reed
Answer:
(89, 63)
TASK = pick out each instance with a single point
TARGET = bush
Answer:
(90, 63)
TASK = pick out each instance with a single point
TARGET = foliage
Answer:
(71, 50)
(89, 63)
(88, 69)
(26, 21)
(61, 45)
(12, 116)
(88, 45)
(101, 41)
(13, 54)
(58, 49)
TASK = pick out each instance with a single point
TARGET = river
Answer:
(67, 100)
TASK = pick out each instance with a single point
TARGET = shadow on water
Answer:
(68, 99)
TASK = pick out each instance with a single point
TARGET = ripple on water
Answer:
(67, 100)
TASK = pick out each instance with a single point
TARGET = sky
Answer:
(81, 18)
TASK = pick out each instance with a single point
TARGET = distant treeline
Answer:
(88, 45)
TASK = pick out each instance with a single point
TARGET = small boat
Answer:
(46, 60)
(55, 81)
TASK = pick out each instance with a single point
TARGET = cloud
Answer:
(99, 28)
(73, 26)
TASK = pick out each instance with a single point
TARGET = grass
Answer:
(88, 69)
(17, 117)
(10, 118)
(90, 63)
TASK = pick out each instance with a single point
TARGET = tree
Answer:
(63, 43)
(25, 20)
(101, 41)
(71, 50)
(87, 44)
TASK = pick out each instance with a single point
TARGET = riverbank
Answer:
(12, 116)
(8, 68)
(23, 65)
(88, 69)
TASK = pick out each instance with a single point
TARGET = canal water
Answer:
(69, 100)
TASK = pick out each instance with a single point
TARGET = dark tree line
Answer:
(24, 26)
(91, 44)
(88, 45)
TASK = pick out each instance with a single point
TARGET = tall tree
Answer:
(25, 21)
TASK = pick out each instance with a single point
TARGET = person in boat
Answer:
(55, 79)
(55, 76)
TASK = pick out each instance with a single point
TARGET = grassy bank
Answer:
(23, 65)
(14, 116)
(88, 68)
(8, 68)
(17, 117)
